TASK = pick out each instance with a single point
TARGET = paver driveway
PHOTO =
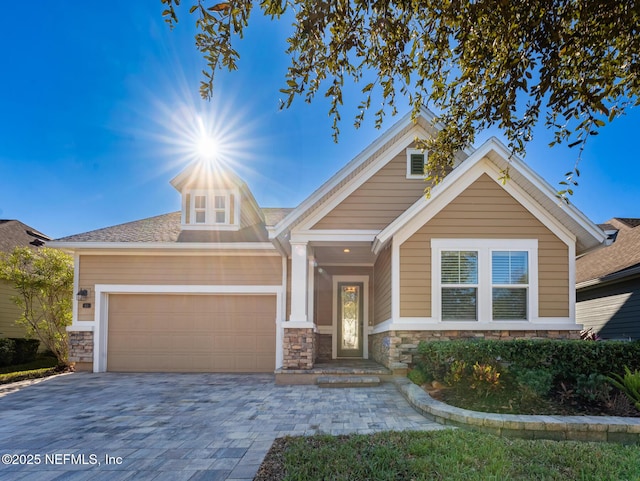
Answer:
(177, 426)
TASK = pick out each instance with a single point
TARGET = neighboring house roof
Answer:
(166, 228)
(14, 233)
(620, 259)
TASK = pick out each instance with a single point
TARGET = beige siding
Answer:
(377, 202)
(484, 210)
(323, 302)
(191, 333)
(382, 287)
(175, 270)
(9, 312)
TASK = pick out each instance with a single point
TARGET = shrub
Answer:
(536, 381)
(7, 351)
(565, 360)
(485, 378)
(416, 376)
(457, 373)
(629, 384)
(26, 350)
(592, 387)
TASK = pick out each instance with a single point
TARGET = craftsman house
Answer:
(363, 267)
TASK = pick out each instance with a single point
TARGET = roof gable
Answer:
(535, 194)
(356, 172)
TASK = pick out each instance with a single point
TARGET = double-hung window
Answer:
(509, 285)
(459, 278)
(484, 280)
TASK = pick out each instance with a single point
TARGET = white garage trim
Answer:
(103, 291)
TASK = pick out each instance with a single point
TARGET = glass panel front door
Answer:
(350, 319)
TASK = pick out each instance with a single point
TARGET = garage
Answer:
(191, 333)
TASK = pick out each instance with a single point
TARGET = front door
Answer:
(350, 319)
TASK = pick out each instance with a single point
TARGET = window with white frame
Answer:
(459, 278)
(484, 280)
(220, 209)
(416, 160)
(207, 208)
(200, 209)
(509, 285)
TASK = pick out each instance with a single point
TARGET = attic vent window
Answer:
(415, 163)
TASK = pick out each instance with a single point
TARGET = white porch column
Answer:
(299, 281)
(310, 285)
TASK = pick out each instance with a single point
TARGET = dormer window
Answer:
(416, 160)
(200, 209)
(211, 209)
(220, 210)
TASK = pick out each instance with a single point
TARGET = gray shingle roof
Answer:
(622, 254)
(166, 228)
(161, 228)
(14, 233)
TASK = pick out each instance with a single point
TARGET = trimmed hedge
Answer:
(7, 351)
(566, 360)
(26, 350)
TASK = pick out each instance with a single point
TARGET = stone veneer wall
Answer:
(395, 349)
(298, 348)
(81, 349)
(324, 349)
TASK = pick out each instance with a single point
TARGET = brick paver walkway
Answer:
(176, 426)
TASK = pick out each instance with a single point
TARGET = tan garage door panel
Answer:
(190, 333)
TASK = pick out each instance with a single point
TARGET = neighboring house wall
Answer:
(378, 201)
(613, 311)
(9, 312)
(484, 211)
(176, 270)
(382, 287)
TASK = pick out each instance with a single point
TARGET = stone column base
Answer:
(298, 348)
(81, 349)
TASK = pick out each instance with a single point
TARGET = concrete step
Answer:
(347, 381)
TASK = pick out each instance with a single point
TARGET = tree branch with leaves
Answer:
(43, 280)
(479, 64)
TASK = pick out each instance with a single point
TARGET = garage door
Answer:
(191, 333)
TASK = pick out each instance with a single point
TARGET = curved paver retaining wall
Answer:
(576, 428)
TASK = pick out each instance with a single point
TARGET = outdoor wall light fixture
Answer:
(82, 294)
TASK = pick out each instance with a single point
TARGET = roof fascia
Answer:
(160, 246)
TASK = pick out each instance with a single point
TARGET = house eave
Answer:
(164, 246)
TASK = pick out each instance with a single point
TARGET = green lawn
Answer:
(446, 455)
(43, 366)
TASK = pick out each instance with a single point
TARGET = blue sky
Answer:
(99, 102)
